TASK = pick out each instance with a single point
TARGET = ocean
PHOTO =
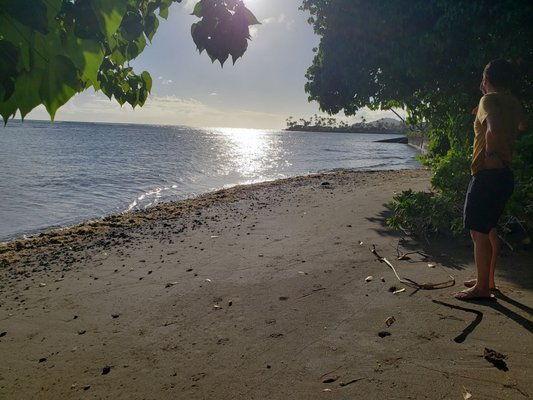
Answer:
(58, 174)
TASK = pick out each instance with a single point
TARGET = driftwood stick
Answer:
(416, 252)
(402, 254)
(410, 282)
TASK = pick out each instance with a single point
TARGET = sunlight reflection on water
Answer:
(249, 152)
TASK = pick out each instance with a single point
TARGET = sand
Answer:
(259, 292)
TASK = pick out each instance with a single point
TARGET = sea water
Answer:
(53, 175)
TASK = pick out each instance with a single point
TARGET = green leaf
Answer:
(151, 23)
(60, 82)
(147, 80)
(19, 35)
(163, 13)
(135, 48)
(118, 57)
(26, 86)
(152, 6)
(87, 56)
(143, 95)
(132, 26)
(238, 48)
(8, 109)
(7, 88)
(9, 59)
(199, 9)
(199, 36)
(25, 96)
(163, 8)
(86, 24)
(31, 13)
(109, 14)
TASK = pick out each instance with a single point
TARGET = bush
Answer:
(452, 174)
(424, 213)
(439, 211)
(521, 203)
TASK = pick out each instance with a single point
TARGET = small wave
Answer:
(337, 151)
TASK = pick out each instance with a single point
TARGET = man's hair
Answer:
(500, 73)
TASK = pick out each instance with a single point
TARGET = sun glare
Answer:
(247, 141)
(247, 147)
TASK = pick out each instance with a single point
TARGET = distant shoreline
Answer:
(311, 129)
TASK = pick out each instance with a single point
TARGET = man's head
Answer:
(498, 74)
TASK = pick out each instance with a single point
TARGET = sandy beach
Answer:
(266, 291)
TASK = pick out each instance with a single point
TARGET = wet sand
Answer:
(259, 292)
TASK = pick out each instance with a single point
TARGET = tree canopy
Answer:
(52, 49)
(423, 55)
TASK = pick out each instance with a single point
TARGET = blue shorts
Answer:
(487, 194)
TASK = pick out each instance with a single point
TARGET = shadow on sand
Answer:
(456, 253)
(496, 305)
(519, 319)
(470, 328)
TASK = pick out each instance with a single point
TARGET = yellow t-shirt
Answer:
(507, 107)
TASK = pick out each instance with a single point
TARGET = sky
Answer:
(260, 91)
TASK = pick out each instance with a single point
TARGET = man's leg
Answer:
(495, 243)
(483, 254)
(495, 247)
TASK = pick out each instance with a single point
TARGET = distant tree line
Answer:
(317, 123)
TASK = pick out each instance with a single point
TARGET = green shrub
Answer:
(423, 213)
(452, 174)
(521, 203)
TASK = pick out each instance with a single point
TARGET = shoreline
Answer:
(188, 202)
(115, 224)
(138, 215)
(260, 291)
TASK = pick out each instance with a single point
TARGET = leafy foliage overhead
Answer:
(52, 49)
(417, 55)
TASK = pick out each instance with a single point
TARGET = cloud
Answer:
(272, 23)
(254, 31)
(173, 110)
(189, 4)
(281, 19)
(274, 20)
(160, 110)
(164, 82)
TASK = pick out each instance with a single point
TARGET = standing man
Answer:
(499, 119)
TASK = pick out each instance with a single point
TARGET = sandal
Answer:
(472, 282)
(468, 295)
